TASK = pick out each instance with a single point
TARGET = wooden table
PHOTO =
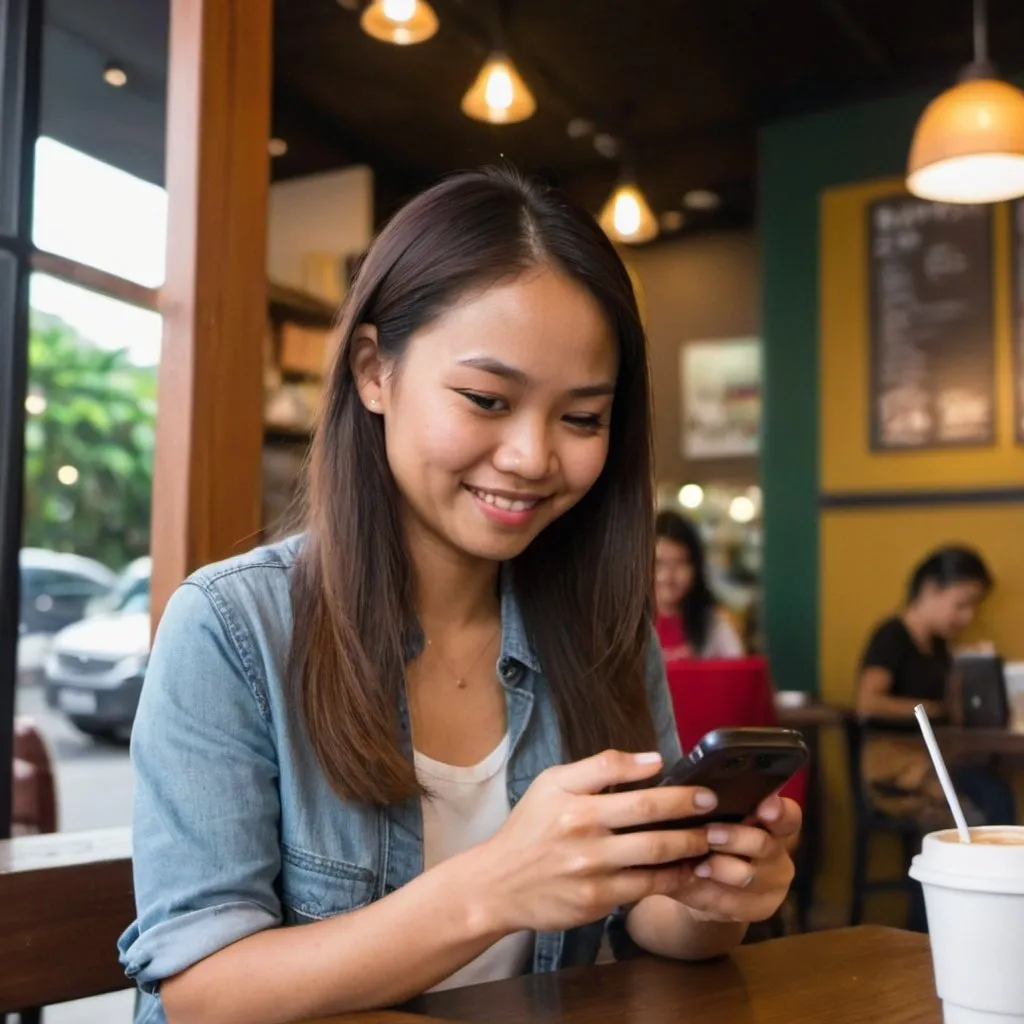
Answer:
(810, 718)
(814, 714)
(64, 900)
(853, 976)
(959, 744)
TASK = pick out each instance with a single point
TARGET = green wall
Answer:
(798, 159)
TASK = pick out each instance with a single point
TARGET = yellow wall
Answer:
(846, 460)
(866, 554)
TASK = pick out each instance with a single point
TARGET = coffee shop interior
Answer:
(835, 328)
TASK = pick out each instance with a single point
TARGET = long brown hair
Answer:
(583, 585)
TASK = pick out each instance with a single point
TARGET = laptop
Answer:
(983, 691)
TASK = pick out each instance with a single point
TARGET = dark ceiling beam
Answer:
(665, 169)
(865, 45)
(315, 142)
(552, 89)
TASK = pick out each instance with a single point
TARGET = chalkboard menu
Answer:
(932, 338)
(1018, 317)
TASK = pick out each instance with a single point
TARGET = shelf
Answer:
(286, 435)
(287, 303)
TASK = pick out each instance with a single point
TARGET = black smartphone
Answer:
(741, 766)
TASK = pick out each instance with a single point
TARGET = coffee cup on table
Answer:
(974, 898)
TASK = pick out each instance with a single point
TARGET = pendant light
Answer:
(402, 22)
(499, 95)
(627, 216)
(969, 143)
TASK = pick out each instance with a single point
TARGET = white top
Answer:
(723, 641)
(466, 807)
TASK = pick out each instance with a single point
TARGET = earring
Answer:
(373, 402)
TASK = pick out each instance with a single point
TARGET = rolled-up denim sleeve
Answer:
(660, 702)
(206, 806)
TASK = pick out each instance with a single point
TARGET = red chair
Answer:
(721, 694)
(35, 798)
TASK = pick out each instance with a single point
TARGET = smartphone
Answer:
(742, 766)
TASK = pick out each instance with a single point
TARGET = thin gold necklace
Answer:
(461, 677)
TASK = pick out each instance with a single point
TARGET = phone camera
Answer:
(764, 763)
(735, 765)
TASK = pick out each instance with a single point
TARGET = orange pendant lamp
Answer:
(499, 95)
(401, 22)
(969, 143)
(626, 215)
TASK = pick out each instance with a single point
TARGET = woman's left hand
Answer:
(748, 875)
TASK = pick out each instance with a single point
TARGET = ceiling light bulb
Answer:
(498, 92)
(969, 145)
(499, 95)
(671, 220)
(626, 216)
(277, 147)
(401, 22)
(115, 76)
(398, 10)
(701, 199)
(691, 496)
(626, 213)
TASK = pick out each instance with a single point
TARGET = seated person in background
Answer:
(908, 662)
(690, 622)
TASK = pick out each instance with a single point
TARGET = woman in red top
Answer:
(690, 623)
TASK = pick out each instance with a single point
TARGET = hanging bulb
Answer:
(499, 95)
(627, 217)
(402, 22)
(969, 143)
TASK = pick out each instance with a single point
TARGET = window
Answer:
(95, 214)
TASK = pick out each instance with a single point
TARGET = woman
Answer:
(690, 623)
(397, 733)
(908, 662)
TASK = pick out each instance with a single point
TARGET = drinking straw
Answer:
(940, 770)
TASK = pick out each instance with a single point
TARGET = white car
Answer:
(95, 670)
(56, 590)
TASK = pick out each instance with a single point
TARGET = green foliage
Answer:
(100, 418)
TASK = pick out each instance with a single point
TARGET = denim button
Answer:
(508, 670)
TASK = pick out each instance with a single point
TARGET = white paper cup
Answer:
(974, 897)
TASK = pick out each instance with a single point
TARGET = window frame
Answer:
(21, 24)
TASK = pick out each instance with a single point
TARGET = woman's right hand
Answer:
(558, 863)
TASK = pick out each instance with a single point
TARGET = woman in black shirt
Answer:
(908, 662)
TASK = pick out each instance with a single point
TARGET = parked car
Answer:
(95, 669)
(56, 589)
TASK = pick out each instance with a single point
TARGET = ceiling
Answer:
(683, 85)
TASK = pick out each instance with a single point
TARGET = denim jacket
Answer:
(235, 827)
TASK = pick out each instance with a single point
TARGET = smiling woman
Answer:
(411, 721)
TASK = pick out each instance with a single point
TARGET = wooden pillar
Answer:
(206, 488)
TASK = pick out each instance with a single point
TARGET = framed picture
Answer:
(720, 385)
(932, 342)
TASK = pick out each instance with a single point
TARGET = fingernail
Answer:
(717, 837)
(651, 757)
(703, 870)
(771, 808)
(705, 799)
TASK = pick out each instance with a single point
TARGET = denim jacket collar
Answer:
(515, 642)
